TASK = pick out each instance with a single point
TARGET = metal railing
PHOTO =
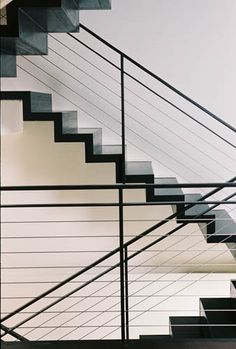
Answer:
(124, 253)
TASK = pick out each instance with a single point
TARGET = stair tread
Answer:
(167, 191)
(220, 311)
(85, 130)
(196, 210)
(139, 168)
(95, 4)
(187, 320)
(188, 327)
(225, 225)
(108, 149)
(216, 303)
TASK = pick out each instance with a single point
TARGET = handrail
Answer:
(156, 77)
(227, 184)
(113, 252)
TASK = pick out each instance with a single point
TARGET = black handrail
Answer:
(156, 77)
(113, 252)
(227, 184)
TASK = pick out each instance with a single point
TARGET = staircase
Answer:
(217, 320)
(38, 107)
(28, 23)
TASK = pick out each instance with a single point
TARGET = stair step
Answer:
(33, 102)
(69, 122)
(225, 228)
(188, 327)
(139, 172)
(168, 194)
(22, 35)
(196, 214)
(40, 102)
(53, 16)
(115, 149)
(153, 337)
(95, 4)
(196, 210)
(7, 65)
(221, 314)
(233, 288)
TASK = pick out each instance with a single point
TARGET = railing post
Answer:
(122, 274)
(126, 293)
(122, 83)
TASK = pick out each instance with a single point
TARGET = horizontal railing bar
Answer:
(114, 204)
(156, 77)
(117, 186)
(108, 266)
(101, 251)
(106, 281)
(104, 221)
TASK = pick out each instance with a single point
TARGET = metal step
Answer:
(220, 313)
(188, 327)
(95, 4)
(225, 228)
(139, 172)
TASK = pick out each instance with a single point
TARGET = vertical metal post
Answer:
(122, 274)
(126, 294)
(122, 83)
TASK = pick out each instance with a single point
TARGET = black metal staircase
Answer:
(25, 34)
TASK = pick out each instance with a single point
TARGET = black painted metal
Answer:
(160, 342)
(122, 272)
(122, 118)
(13, 333)
(126, 292)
